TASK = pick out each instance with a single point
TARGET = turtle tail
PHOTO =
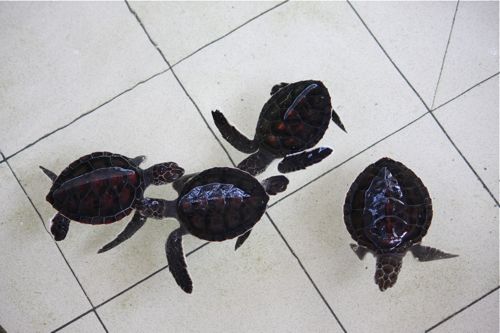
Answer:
(388, 267)
(256, 163)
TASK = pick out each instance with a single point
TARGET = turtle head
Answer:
(164, 173)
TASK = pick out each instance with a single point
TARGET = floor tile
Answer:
(157, 120)
(259, 288)
(414, 34)
(465, 223)
(38, 291)
(473, 51)
(64, 59)
(180, 28)
(472, 123)
(239, 71)
(86, 324)
(483, 314)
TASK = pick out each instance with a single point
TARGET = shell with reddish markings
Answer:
(295, 118)
(221, 203)
(97, 188)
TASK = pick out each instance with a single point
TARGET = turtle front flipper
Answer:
(177, 261)
(256, 163)
(232, 135)
(337, 121)
(427, 253)
(278, 87)
(303, 160)
(388, 267)
(132, 227)
(275, 184)
(49, 173)
(242, 239)
(59, 226)
(360, 251)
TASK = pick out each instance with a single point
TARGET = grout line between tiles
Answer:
(347, 160)
(465, 159)
(85, 114)
(73, 320)
(306, 272)
(57, 245)
(428, 109)
(178, 80)
(127, 289)
(445, 53)
(388, 57)
(466, 91)
(461, 310)
(230, 32)
(145, 80)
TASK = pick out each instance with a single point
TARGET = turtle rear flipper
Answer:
(242, 239)
(337, 121)
(388, 267)
(427, 253)
(232, 135)
(278, 87)
(256, 163)
(49, 173)
(303, 160)
(177, 261)
(132, 227)
(178, 185)
(59, 226)
(138, 160)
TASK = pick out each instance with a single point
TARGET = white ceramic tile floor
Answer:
(63, 60)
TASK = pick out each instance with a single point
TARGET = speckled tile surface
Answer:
(384, 64)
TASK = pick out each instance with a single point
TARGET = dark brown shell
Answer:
(97, 188)
(411, 219)
(305, 123)
(221, 203)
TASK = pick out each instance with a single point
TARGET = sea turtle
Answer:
(103, 187)
(214, 205)
(294, 119)
(387, 211)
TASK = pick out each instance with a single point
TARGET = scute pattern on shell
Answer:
(304, 124)
(221, 203)
(97, 188)
(417, 207)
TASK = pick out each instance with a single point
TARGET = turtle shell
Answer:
(295, 118)
(221, 203)
(97, 188)
(387, 208)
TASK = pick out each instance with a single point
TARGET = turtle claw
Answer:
(49, 173)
